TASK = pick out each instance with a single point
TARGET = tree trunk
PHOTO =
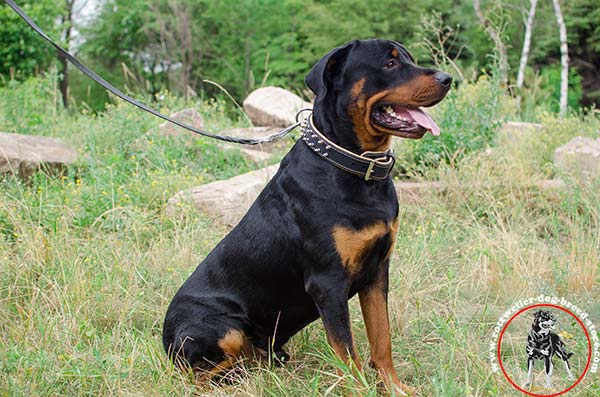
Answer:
(495, 36)
(564, 58)
(64, 82)
(526, 44)
(525, 49)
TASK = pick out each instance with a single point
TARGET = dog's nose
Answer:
(443, 78)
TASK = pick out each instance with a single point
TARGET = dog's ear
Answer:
(319, 77)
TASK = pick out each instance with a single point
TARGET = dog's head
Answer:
(543, 322)
(375, 86)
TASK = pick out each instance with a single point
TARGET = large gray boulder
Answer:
(23, 154)
(224, 201)
(579, 157)
(273, 106)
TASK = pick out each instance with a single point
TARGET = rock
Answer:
(411, 192)
(224, 201)
(579, 157)
(550, 185)
(253, 155)
(188, 116)
(516, 130)
(23, 154)
(273, 106)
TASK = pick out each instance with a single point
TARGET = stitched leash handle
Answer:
(92, 75)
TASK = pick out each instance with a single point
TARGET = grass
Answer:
(89, 261)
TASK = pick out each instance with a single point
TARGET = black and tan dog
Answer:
(542, 344)
(323, 228)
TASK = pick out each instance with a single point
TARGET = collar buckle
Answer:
(382, 159)
(369, 170)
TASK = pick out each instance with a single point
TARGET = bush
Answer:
(552, 79)
(468, 119)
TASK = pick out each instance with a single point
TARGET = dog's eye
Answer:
(392, 63)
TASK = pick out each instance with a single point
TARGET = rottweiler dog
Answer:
(543, 344)
(321, 231)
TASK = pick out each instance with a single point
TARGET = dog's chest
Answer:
(359, 249)
(540, 342)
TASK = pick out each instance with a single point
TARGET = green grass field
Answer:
(89, 261)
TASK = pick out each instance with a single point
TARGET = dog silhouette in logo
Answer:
(543, 344)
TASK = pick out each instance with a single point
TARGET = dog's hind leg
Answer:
(527, 382)
(565, 358)
(560, 351)
(549, 368)
(569, 373)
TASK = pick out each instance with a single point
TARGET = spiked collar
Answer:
(367, 166)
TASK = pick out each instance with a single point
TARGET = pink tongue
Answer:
(423, 119)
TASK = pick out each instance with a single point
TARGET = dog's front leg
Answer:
(549, 367)
(330, 294)
(373, 303)
(527, 382)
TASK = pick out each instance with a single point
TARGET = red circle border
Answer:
(587, 335)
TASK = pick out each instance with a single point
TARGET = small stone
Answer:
(514, 131)
(579, 157)
(187, 116)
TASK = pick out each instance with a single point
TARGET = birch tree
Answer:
(66, 20)
(564, 58)
(525, 49)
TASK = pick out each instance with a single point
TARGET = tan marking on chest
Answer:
(352, 244)
(232, 343)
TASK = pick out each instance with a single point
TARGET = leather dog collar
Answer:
(367, 166)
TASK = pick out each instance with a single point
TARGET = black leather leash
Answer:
(92, 75)
(367, 166)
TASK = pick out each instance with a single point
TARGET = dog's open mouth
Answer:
(403, 120)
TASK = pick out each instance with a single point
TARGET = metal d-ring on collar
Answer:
(368, 165)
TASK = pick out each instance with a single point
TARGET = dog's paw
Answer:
(529, 350)
(402, 389)
(526, 384)
(281, 357)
